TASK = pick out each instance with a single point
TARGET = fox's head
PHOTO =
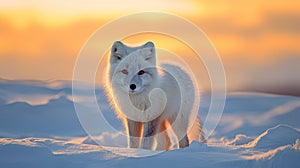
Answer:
(132, 69)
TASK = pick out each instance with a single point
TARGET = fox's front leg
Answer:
(134, 131)
(150, 129)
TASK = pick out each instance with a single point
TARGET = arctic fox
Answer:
(151, 100)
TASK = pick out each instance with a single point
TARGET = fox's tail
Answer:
(196, 133)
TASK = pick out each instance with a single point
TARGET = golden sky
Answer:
(258, 41)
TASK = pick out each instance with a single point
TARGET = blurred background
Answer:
(258, 41)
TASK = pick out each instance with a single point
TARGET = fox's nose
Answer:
(132, 86)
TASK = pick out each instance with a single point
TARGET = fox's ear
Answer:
(150, 51)
(118, 51)
(150, 45)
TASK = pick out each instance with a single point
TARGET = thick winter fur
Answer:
(149, 99)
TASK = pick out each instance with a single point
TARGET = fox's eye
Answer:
(141, 72)
(118, 57)
(124, 71)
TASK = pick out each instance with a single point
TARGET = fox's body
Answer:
(148, 101)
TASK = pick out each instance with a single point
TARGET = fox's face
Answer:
(132, 70)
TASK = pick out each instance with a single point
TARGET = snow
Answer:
(280, 135)
(39, 128)
(240, 139)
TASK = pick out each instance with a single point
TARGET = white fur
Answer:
(158, 100)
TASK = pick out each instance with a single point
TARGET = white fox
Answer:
(149, 98)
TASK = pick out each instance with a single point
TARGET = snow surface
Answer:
(39, 128)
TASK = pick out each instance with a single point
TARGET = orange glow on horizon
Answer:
(41, 39)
